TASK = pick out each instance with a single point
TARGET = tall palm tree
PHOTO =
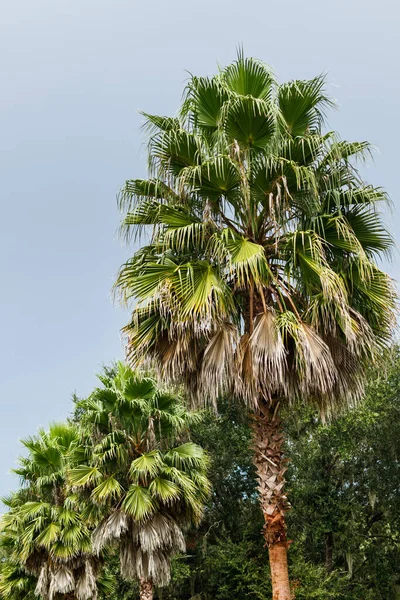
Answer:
(259, 278)
(146, 480)
(45, 532)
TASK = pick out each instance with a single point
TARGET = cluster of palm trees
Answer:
(122, 473)
(258, 280)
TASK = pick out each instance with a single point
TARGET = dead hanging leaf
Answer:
(245, 380)
(314, 361)
(268, 351)
(217, 370)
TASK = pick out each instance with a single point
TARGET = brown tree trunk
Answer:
(146, 589)
(271, 467)
(329, 551)
(279, 571)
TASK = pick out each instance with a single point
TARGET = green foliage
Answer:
(45, 538)
(347, 474)
(125, 470)
(144, 480)
(15, 582)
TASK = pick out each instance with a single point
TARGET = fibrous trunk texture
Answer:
(146, 589)
(271, 467)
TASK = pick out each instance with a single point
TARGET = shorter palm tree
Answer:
(15, 582)
(45, 532)
(144, 475)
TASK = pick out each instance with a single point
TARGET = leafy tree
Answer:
(260, 278)
(349, 472)
(146, 487)
(44, 534)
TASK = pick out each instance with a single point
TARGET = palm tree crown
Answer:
(260, 275)
(144, 485)
(44, 533)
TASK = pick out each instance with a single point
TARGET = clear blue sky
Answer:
(74, 74)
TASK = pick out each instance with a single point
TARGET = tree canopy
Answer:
(261, 270)
(148, 488)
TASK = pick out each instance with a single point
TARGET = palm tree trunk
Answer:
(271, 466)
(146, 589)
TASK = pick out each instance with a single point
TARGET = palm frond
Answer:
(302, 105)
(146, 464)
(139, 503)
(84, 475)
(188, 454)
(109, 488)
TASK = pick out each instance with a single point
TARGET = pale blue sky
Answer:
(74, 74)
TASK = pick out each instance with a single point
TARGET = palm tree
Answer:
(15, 582)
(259, 279)
(44, 532)
(147, 488)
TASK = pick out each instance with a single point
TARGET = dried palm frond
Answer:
(86, 582)
(217, 367)
(43, 582)
(317, 370)
(269, 353)
(62, 581)
(109, 530)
